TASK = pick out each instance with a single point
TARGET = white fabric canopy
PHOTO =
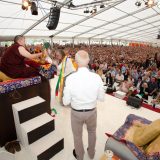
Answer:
(121, 21)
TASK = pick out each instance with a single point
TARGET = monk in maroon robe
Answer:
(12, 62)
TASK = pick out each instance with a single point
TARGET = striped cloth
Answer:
(62, 75)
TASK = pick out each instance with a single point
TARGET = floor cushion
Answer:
(4, 77)
(144, 134)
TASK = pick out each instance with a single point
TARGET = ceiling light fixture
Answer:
(102, 6)
(71, 5)
(87, 10)
(25, 4)
(138, 3)
(158, 36)
(94, 10)
(150, 3)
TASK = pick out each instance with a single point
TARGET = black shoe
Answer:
(74, 154)
(16, 146)
(9, 147)
(154, 106)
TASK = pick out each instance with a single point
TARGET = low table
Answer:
(105, 158)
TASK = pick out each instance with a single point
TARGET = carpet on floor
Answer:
(143, 104)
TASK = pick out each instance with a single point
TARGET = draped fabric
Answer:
(68, 66)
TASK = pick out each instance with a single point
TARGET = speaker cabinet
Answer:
(53, 18)
(34, 9)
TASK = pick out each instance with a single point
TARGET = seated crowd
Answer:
(135, 69)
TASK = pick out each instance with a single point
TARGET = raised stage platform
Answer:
(111, 115)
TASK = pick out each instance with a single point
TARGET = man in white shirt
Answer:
(82, 89)
(119, 77)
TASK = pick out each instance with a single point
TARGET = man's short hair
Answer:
(82, 60)
(16, 38)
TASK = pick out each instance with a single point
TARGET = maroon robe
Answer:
(13, 65)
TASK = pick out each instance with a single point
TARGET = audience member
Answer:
(144, 91)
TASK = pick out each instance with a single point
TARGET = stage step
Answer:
(37, 127)
(46, 147)
(30, 108)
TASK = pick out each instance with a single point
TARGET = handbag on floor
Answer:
(134, 102)
(110, 89)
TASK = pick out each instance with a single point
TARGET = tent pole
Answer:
(89, 40)
(73, 42)
(51, 42)
(101, 41)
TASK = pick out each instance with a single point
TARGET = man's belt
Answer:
(84, 110)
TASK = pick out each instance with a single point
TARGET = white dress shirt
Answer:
(82, 89)
(120, 77)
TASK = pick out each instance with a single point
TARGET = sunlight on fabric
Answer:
(68, 34)
(100, 30)
(145, 13)
(10, 32)
(79, 2)
(92, 22)
(42, 33)
(110, 14)
(111, 26)
(79, 28)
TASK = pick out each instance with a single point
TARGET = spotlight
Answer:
(150, 3)
(87, 10)
(34, 9)
(102, 6)
(158, 36)
(94, 10)
(138, 3)
(71, 5)
(25, 4)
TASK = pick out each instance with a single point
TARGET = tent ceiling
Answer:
(119, 20)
